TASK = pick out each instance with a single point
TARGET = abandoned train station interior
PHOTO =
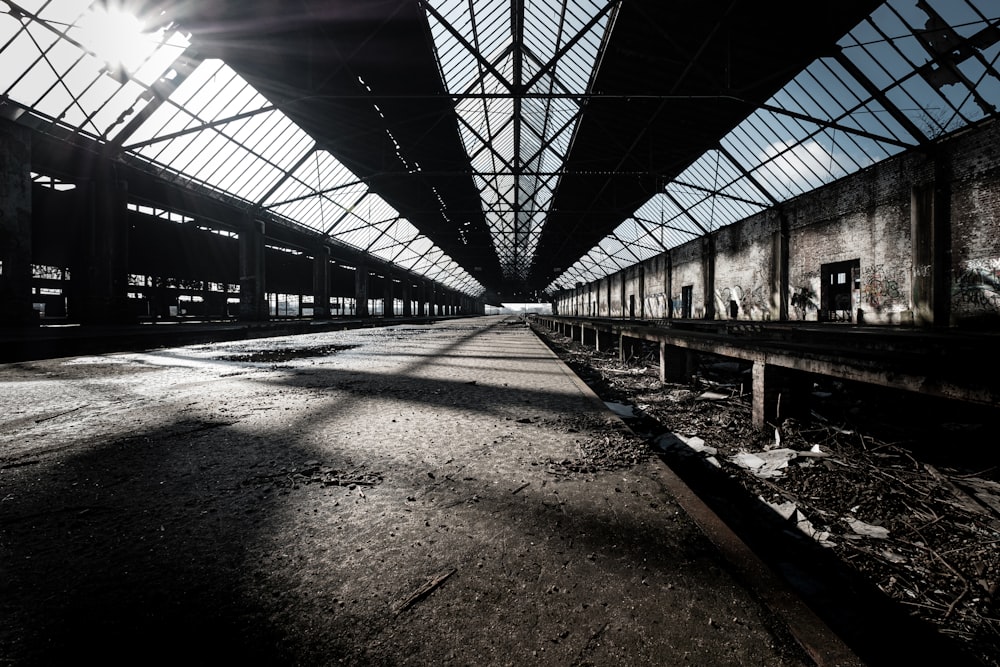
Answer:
(504, 332)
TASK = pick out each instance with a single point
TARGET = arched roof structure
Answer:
(501, 147)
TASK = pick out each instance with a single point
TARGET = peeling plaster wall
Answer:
(975, 219)
(869, 217)
(655, 297)
(615, 294)
(744, 257)
(688, 270)
(633, 291)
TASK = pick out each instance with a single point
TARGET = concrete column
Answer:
(943, 179)
(432, 306)
(15, 226)
(922, 250)
(677, 364)
(708, 275)
(626, 347)
(407, 289)
(668, 284)
(253, 296)
(422, 299)
(930, 235)
(779, 270)
(603, 340)
(361, 290)
(321, 283)
(642, 291)
(778, 393)
(388, 302)
(101, 293)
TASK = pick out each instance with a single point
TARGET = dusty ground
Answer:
(409, 495)
(903, 490)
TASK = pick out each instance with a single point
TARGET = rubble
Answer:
(926, 534)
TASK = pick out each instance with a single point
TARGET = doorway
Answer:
(840, 290)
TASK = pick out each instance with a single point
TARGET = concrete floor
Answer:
(404, 495)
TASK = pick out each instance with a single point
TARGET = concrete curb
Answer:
(816, 638)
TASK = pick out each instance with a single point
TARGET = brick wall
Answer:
(866, 221)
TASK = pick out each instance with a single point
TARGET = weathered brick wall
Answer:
(614, 287)
(864, 218)
(867, 218)
(632, 300)
(975, 223)
(655, 291)
(688, 270)
(743, 269)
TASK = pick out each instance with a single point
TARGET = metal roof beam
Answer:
(550, 65)
(483, 62)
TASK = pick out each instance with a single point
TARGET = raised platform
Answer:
(942, 363)
(437, 494)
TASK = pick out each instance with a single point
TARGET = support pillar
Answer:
(15, 226)
(626, 347)
(422, 299)
(677, 364)
(779, 270)
(922, 250)
(708, 275)
(407, 290)
(668, 286)
(642, 291)
(100, 294)
(930, 233)
(603, 340)
(321, 283)
(361, 290)
(253, 297)
(778, 393)
(388, 303)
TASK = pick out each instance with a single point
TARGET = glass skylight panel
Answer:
(394, 233)
(245, 156)
(61, 64)
(916, 74)
(412, 252)
(535, 139)
(631, 233)
(308, 195)
(214, 128)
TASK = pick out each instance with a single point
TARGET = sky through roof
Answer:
(75, 64)
(911, 72)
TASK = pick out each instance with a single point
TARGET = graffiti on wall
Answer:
(977, 287)
(656, 306)
(803, 300)
(881, 288)
(676, 304)
(736, 301)
(747, 301)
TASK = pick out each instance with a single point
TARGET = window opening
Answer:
(687, 301)
(840, 290)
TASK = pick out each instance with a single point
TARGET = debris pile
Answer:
(608, 450)
(922, 528)
(313, 472)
